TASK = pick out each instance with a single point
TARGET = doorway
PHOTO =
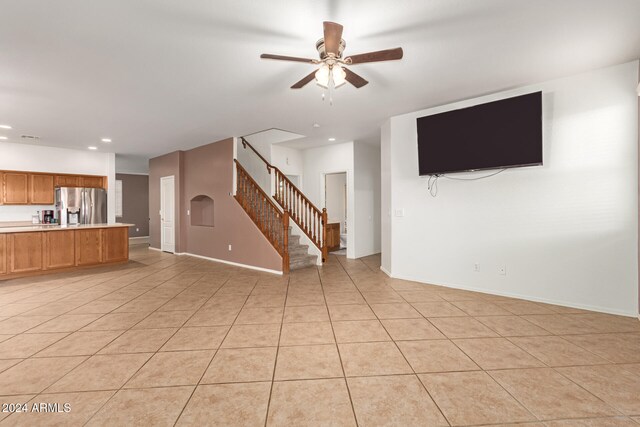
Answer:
(335, 201)
(167, 214)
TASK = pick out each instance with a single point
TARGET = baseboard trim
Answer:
(138, 240)
(236, 264)
(155, 249)
(522, 297)
(384, 270)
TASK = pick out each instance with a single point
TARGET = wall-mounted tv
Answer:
(500, 134)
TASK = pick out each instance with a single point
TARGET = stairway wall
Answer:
(208, 170)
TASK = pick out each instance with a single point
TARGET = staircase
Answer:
(299, 256)
(273, 220)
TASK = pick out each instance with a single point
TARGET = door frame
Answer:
(164, 247)
(349, 206)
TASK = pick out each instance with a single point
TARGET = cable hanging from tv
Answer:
(432, 183)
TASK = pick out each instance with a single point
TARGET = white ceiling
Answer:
(161, 75)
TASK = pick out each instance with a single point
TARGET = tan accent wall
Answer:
(135, 203)
(208, 170)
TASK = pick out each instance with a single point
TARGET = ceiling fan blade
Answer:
(287, 58)
(332, 37)
(354, 79)
(380, 55)
(304, 81)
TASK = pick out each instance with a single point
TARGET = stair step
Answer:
(298, 249)
(294, 240)
(303, 262)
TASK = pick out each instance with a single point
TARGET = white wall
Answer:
(331, 159)
(336, 199)
(566, 231)
(254, 165)
(367, 198)
(386, 197)
(56, 160)
(289, 161)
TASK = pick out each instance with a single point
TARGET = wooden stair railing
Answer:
(273, 223)
(311, 220)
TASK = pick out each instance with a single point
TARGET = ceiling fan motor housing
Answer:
(323, 53)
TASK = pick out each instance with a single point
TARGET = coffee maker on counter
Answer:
(47, 217)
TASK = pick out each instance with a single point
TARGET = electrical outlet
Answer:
(502, 270)
(476, 267)
(137, 229)
(229, 247)
(188, 212)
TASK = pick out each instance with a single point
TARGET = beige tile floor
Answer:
(168, 340)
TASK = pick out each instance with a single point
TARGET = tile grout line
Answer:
(346, 383)
(214, 353)
(275, 362)
(403, 356)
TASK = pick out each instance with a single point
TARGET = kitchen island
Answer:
(28, 250)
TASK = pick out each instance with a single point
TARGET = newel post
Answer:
(325, 248)
(285, 242)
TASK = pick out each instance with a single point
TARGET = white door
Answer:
(167, 214)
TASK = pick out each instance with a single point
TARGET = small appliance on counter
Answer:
(81, 205)
(47, 217)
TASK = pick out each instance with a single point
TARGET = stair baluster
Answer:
(273, 223)
(296, 205)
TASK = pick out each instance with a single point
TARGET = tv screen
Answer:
(496, 135)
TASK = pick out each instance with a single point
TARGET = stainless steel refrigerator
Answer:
(81, 205)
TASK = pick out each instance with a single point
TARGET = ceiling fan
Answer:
(332, 65)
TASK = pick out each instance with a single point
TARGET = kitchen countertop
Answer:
(55, 227)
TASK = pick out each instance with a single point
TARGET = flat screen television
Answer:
(496, 135)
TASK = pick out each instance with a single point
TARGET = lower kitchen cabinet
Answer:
(89, 246)
(116, 244)
(3, 255)
(25, 252)
(30, 253)
(59, 249)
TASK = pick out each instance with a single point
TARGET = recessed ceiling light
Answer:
(5, 127)
(3, 138)
(332, 139)
(316, 125)
(107, 140)
(92, 148)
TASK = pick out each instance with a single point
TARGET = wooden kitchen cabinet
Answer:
(3, 255)
(31, 253)
(15, 188)
(41, 189)
(89, 246)
(59, 249)
(91, 181)
(25, 252)
(67, 181)
(116, 244)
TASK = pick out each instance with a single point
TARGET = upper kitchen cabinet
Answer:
(92, 181)
(67, 181)
(35, 188)
(41, 189)
(15, 188)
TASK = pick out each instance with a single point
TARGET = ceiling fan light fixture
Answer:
(323, 76)
(339, 76)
